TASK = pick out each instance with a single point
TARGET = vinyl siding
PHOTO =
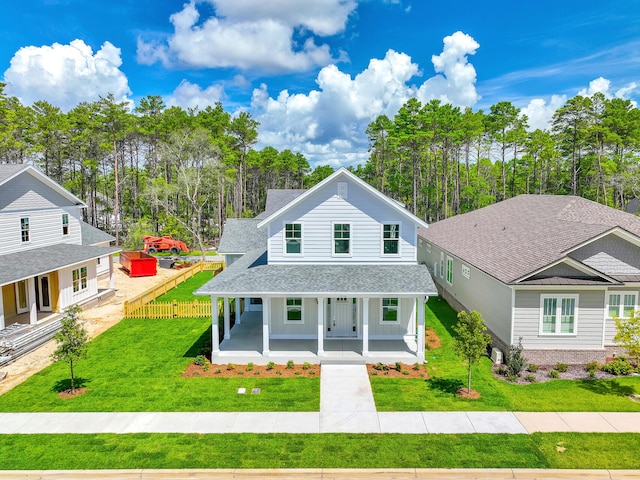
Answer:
(480, 292)
(590, 319)
(365, 213)
(380, 329)
(306, 329)
(611, 255)
(25, 192)
(65, 283)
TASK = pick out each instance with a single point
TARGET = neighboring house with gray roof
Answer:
(49, 257)
(331, 270)
(550, 269)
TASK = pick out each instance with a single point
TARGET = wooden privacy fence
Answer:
(140, 306)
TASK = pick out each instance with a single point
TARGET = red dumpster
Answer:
(138, 264)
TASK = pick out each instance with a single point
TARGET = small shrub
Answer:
(312, 372)
(218, 370)
(378, 366)
(618, 367)
(374, 373)
(416, 366)
(206, 366)
(386, 368)
(533, 368)
(200, 360)
(501, 370)
(404, 372)
(511, 377)
(515, 359)
(289, 364)
(256, 373)
(591, 374)
(306, 366)
(249, 366)
(530, 378)
(240, 372)
(562, 367)
(398, 367)
(296, 373)
(592, 366)
(270, 366)
(278, 372)
(553, 374)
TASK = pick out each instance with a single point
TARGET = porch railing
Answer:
(140, 306)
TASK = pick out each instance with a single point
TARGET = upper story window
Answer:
(390, 239)
(24, 229)
(293, 238)
(341, 238)
(390, 307)
(79, 279)
(559, 314)
(622, 304)
(65, 224)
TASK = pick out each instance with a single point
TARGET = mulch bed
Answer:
(69, 394)
(465, 393)
(574, 372)
(262, 371)
(390, 370)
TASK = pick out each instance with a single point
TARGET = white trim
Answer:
(333, 240)
(608, 293)
(558, 319)
(617, 230)
(286, 311)
(397, 307)
(382, 239)
(35, 172)
(293, 336)
(441, 273)
(284, 239)
(572, 262)
(449, 270)
(28, 229)
(350, 176)
(513, 315)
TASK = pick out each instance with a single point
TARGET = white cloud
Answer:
(539, 112)
(189, 95)
(66, 75)
(252, 34)
(599, 85)
(327, 125)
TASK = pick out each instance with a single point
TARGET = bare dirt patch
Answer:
(465, 393)
(65, 394)
(432, 339)
(262, 371)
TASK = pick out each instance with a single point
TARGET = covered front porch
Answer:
(245, 344)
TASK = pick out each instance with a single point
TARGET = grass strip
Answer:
(107, 451)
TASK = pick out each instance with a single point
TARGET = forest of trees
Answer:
(166, 170)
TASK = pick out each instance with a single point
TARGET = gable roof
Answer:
(241, 235)
(334, 177)
(10, 171)
(278, 198)
(93, 236)
(513, 238)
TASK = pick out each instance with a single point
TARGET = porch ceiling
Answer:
(251, 276)
(29, 263)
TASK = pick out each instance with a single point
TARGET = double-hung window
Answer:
(293, 238)
(294, 310)
(24, 229)
(559, 314)
(390, 307)
(79, 279)
(390, 239)
(341, 239)
(65, 224)
(622, 304)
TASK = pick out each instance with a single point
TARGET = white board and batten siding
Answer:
(364, 212)
(65, 283)
(590, 320)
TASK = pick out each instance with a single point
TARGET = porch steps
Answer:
(343, 361)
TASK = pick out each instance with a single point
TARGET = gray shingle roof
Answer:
(241, 235)
(37, 261)
(516, 237)
(9, 169)
(251, 276)
(92, 235)
(278, 198)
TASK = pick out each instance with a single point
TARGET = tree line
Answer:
(165, 170)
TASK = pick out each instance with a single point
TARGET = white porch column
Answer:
(227, 319)
(112, 276)
(365, 327)
(2, 325)
(266, 319)
(33, 306)
(420, 339)
(237, 303)
(320, 326)
(215, 335)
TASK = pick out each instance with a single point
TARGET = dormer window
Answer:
(293, 238)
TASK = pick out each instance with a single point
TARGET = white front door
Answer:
(44, 292)
(342, 315)
(22, 304)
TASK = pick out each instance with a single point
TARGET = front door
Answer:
(22, 304)
(44, 292)
(342, 315)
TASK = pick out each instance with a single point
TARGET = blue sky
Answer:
(314, 73)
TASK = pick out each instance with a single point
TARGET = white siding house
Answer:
(334, 267)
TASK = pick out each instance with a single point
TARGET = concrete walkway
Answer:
(346, 406)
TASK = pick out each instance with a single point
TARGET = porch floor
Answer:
(245, 345)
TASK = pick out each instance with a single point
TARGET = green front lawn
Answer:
(137, 366)
(447, 373)
(184, 291)
(107, 451)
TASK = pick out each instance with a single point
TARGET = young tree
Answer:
(71, 340)
(628, 335)
(471, 341)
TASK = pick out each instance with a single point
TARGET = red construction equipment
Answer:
(163, 244)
